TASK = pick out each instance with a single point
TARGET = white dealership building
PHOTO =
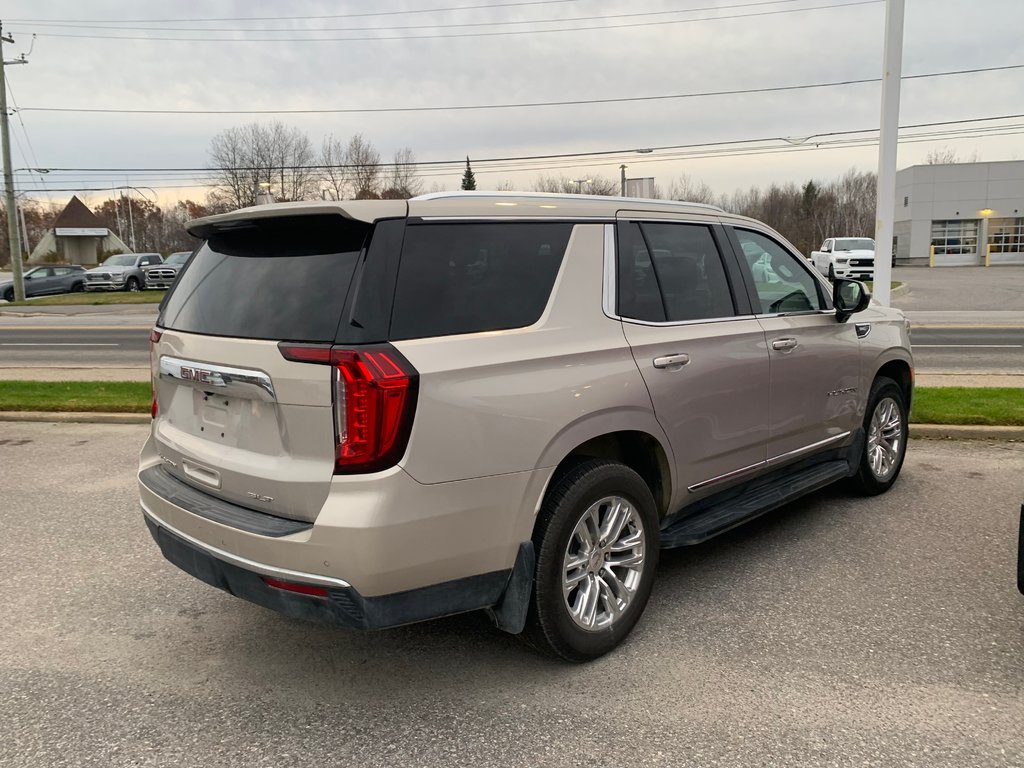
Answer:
(960, 214)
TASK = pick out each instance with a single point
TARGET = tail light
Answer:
(154, 339)
(374, 392)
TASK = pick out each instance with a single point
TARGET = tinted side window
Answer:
(639, 296)
(690, 271)
(468, 277)
(780, 280)
(671, 272)
(284, 279)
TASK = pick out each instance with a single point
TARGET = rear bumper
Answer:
(342, 605)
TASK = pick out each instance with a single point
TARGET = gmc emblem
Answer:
(196, 374)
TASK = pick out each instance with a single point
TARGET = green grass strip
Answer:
(98, 297)
(991, 406)
(932, 405)
(106, 396)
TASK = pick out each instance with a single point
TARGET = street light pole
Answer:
(892, 70)
(622, 180)
(14, 239)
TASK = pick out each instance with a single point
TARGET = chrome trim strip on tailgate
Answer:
(244, 562)
(242, 382)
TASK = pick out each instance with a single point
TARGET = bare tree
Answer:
(594, 185)
(246, 156)
(333, 175)
(402, 182)
(685, 188)
(941, 156)
(363, 163)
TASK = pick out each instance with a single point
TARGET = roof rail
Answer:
(550, 195)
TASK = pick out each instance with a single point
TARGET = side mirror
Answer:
(849, 297)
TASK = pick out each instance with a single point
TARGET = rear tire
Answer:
(132, 285)
(885, 439)
(597, 544)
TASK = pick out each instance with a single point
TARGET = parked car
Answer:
(163, 275)
(121, 272)
(49, 279)
(847, 257)
(507, 402)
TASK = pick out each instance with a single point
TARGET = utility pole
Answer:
(892, 70)
(622, 180)
(13, 239)
(131, 220)
(24, 231)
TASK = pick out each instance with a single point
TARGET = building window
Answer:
(955, 236)
(1006, 235)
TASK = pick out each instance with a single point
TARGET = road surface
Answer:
(836, 632)
(57, 342)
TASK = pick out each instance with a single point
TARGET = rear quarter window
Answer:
(470, 277)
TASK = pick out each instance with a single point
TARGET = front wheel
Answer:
(77, 288)
(597, 549)
(132, 285)
(9, 294)
(832, 272)
(885, 444)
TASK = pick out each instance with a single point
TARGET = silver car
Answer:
(163, 275)
(372, 413)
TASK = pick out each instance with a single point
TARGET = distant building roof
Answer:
(77, 216)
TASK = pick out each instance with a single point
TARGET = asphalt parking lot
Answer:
(837, 632)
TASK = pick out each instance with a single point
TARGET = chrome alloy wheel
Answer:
(885, 438)
(603, 564)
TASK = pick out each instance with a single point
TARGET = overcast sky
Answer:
(787, 43)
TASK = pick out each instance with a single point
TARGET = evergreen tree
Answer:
(468, 178)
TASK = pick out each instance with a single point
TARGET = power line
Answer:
(595, 156)
(852, 144)
(631, 25)
(28, 141)
(300, 18)
(519, 105)
(556, 20)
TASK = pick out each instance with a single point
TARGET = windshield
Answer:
(178, 258)
(855, 244)
(121, 260)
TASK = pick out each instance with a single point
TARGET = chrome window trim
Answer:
(609, 287)
(674, 323)
(244, 562)
(223, 379)
(497, 217)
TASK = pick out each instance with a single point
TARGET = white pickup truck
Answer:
(849, 257)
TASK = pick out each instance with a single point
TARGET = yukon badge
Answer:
(844, 391)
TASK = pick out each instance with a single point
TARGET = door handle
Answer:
(784, 344)
(671, 361)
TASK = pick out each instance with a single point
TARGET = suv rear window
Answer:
(472, 277)
(283, 279)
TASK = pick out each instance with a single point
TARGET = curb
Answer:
(79, 417)
(966, 432)
(927, 431)
(900, 290)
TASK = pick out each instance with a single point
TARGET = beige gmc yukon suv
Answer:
(373, 413)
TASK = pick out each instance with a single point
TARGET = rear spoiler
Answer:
(357, 210)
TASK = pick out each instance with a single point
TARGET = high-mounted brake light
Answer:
(374, 392)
